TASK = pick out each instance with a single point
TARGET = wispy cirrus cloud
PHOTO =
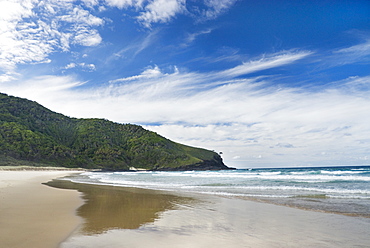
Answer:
(216, 7)
(249, 123)
(191, 37)
(362, 49)
(185, 82)
(147, 74)
(353, 54)
(154, 84)
(137, 46)
(266, 62)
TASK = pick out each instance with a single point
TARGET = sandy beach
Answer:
(95, 216)
(33, 214)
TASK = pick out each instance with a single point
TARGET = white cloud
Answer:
(161, 11)
(44, 89)
(217, 7)
(15, 10)
(91, 3)
(286, 127)
(6, 77)
(87, 37)
(90, 67)
(79, 15)
(84, 66)
(31, 30)
(124, 3)
(70, 66)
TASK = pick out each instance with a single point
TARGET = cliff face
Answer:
(33, 135)
(213, 164)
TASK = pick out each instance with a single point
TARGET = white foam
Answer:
(340, 172)
(257, 183)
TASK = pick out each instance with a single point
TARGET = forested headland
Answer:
(31, 134)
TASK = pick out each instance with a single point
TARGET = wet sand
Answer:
(119, 217)
(33, 214)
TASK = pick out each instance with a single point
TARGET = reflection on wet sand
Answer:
(108, 207)
(117, 217)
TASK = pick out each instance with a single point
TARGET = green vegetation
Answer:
(33, 135)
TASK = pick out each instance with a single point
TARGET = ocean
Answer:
(343, 190)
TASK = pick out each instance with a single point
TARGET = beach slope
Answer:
(35, 215)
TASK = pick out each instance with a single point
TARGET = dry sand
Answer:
(34, 215)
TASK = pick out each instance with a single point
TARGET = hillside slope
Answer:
(30, 134)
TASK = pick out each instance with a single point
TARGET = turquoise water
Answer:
(343, 190)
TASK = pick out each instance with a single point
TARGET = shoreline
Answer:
(33, 214)
(40, 168)
(300, 207)
(290, 202)
(101, 216)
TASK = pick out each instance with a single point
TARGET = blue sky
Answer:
(268, 83)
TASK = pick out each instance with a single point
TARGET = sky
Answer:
(267, 83)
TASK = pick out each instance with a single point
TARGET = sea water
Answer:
(344, 190)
